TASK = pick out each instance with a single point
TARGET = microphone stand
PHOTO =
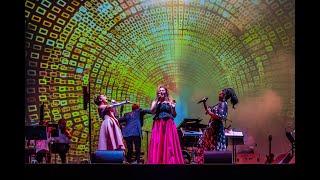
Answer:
(225, 127)
(147, 132)
(89, 121)
(90, 150)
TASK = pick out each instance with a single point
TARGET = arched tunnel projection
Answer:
(126, 49)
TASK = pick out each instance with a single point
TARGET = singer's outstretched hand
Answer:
(204, 99)
(127, 101)
(173, 104)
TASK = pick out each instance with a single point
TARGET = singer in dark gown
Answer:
(214, 136)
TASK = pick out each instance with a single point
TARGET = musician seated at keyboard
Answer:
(214, 136)
(63, 140)
(42, 146)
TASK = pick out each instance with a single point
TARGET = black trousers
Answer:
(136, 140)
(63, 152)
(62, 149)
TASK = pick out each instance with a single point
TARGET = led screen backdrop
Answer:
(194, 47)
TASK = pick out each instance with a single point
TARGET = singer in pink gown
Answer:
(110, 137)
(164, 146)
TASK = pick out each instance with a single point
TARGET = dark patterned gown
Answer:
(213, 137)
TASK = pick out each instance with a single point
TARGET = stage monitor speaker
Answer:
(217, 157)
(102, 156)
(286, 159)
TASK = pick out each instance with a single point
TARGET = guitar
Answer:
(270, 156)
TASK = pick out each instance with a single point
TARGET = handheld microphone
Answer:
(203, 100)
(129, 102)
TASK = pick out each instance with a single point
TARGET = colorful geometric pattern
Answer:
(127, 48)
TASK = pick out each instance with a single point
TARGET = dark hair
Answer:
(230, 93)
(62, 121)
(97, 100)
(62, 124)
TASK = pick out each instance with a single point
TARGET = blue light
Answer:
(79, 70)
(103, 8)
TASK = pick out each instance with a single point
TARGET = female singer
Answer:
(214, 137)
(110, 137)
(164, 145)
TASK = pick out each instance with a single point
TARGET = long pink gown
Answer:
(110, 137)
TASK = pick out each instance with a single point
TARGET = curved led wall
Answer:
(127, 48)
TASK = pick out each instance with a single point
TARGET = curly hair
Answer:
(230, 93)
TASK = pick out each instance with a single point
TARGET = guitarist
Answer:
(270, 156)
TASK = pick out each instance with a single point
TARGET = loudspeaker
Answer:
(220, 157)
(102, 156)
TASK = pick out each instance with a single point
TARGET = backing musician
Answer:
(41, 146)
(61, 143)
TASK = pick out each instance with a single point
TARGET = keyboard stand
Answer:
(236, 139)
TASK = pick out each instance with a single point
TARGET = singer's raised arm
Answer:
(119, 104)
(206, 109)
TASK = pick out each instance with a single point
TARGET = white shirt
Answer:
(62, 138)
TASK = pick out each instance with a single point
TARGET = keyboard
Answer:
(191, 133)
(233, 133)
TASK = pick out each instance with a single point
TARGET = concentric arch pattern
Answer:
(127, 48)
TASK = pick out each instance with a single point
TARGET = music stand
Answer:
(35, 132)
(236, 139)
